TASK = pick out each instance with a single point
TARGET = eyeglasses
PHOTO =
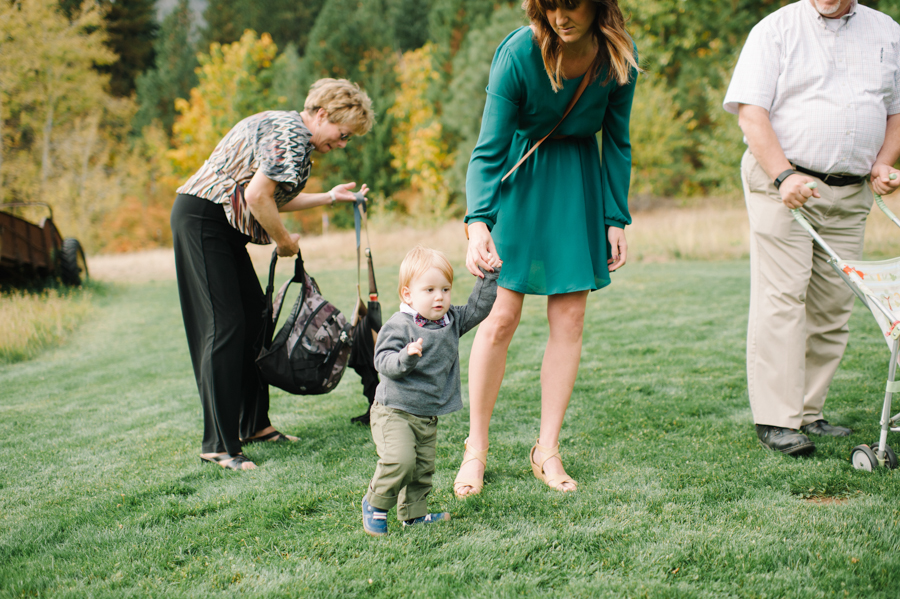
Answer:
(346, 136)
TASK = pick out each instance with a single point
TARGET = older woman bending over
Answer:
(258, 170)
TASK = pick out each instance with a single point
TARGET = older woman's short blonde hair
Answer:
(420, 260)
(343, 102)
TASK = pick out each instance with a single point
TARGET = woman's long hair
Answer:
(616, 50)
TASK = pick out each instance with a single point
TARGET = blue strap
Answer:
(359, 206)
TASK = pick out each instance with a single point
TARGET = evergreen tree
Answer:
(286, 21)
(345, 44)
(289, 79)
(450, 21)
(131, 30)
(410, 22)
(225, 21)
(173, 76)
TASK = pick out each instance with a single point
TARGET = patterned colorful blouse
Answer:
(277, 142)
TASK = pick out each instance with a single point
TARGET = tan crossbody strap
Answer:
(581, 87)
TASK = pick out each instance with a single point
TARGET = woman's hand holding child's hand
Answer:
(415, 348)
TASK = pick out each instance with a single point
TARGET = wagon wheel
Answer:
(890, 458)
(863, 458)
(72, 263)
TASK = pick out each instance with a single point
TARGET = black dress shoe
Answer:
(785, 440)
(821, 427)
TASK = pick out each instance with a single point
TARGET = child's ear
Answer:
(405, 295)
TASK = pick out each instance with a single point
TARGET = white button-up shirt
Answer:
(828, 90)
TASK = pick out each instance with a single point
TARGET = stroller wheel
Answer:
(863, 458)
(890, 458)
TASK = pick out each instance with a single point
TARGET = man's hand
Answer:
(882, 182)
(415, 348)
(795, 192)
(290, 247)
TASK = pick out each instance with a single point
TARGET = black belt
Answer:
(832, 180)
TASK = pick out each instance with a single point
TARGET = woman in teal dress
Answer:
(557, 223)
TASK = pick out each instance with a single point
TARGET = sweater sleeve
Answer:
(480, 302)
(391, 357)
(615, 159)
(498, 124)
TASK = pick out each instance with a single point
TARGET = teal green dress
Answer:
(549, 219)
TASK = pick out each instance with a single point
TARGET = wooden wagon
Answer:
(30, 252)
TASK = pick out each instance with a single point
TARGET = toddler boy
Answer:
(417, 355)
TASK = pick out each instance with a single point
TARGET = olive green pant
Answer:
(406, 452)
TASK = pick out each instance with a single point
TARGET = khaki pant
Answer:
(799, 307)
(406, 451)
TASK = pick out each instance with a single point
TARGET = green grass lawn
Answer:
(102, 493)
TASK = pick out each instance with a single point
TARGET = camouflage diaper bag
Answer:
(309, 354)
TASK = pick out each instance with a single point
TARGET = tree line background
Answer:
(105, 110)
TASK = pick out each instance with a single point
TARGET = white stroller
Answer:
(877, 285)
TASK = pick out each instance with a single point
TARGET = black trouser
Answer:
(222, 304)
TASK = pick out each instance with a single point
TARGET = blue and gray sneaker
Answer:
(427, 519)
(374, 520)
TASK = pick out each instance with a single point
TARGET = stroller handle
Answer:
(798, 216)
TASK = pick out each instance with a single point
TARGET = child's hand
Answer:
(415, 348)
(493, 260)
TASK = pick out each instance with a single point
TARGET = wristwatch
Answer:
(780, 178)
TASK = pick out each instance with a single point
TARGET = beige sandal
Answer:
(538, 469)
(468, 455)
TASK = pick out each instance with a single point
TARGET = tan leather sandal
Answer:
(538, 469)
(477, 485)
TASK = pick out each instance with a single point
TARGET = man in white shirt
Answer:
(817, 94)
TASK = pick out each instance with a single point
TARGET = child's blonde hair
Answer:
(418, 261)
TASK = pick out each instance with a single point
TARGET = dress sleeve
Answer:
(498, 124)
(615, 158)
(281, 155)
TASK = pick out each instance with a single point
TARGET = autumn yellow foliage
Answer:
(420, 154)
(234, 83)
(61, 133)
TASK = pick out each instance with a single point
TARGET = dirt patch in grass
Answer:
(827, 500)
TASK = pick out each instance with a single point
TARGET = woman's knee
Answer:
(567, 312)
(500, 326)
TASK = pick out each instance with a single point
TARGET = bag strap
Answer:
(581, 87)
(273, 309)
(360, 220)
(578, 91)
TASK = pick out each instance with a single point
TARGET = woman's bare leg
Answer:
(487, 364)
(559, 370)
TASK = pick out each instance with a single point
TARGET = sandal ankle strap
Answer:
(547, 453)
(476, 454)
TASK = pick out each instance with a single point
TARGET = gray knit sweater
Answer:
(428, 385)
